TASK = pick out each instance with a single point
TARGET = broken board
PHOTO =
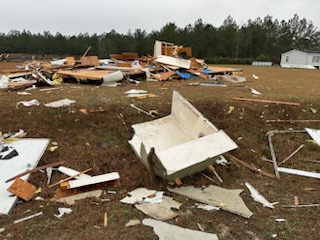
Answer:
(22, 189)
(228, 200)
(30, 151)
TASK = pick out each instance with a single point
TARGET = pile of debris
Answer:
(169, 62)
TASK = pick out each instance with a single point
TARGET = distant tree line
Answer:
(260, 39)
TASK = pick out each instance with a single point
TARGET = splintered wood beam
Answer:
(68, 178)
(273, 156)
(254, 169)
(36, 169)
(267, 101)
(86, 52)
(291, 155)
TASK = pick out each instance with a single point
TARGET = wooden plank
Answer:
(291, 155)
(267, 101)
(166, 75)
(89, 61)
(60, 193)
(90, 181)
(254, 169)
(85, 74)
(68, 178)
(36, 169)
(116, 56)
(129, 56)
(86, 52)
(105, 220)
(70, 60)
(22, 189)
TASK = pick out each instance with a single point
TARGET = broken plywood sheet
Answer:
(85, 74)
(167, 231)
(172, 61)
(228, 200)
(90, 181)
(30, 151)
(225, 70)
(185, 142)
(160, 211)
(22, 189)
(89, 61)
(70, 200)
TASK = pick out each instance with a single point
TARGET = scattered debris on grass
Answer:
(169, 231)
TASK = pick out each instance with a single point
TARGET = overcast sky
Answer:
(97, 16)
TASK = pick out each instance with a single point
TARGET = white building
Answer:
(300, 59)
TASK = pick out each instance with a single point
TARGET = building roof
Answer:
(304, 50)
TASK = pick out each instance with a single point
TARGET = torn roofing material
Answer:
(228, 200)
(166, 231)
(160, 211)
(180, 144)
(30, 152)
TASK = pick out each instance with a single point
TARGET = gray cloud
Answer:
(98, 16)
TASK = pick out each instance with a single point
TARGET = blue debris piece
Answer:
(206, 70)
(184, 75)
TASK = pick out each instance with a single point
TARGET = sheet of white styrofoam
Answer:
(30, 151)
(181, 140)
(159, 134)
(94, 180)
(196, 151)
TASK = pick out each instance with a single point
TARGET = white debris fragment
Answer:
(167, 231)
(4, 81)
(157, 198)
(280, 220)
(314, 134)
(255, 76)
(135, 91)
(27, 218)
(23, 93)
(137, 195)
(258, 197)
(63, 211)
(133, 222)
(160, 211)
(60, 103)
(206, 207)
(255, 91)
(2, 230)
(33, 102)
(222, 161)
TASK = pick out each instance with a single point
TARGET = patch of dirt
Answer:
(98, 140)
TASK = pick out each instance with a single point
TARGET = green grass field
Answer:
(98, 140)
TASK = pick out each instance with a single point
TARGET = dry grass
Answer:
(99, 140)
